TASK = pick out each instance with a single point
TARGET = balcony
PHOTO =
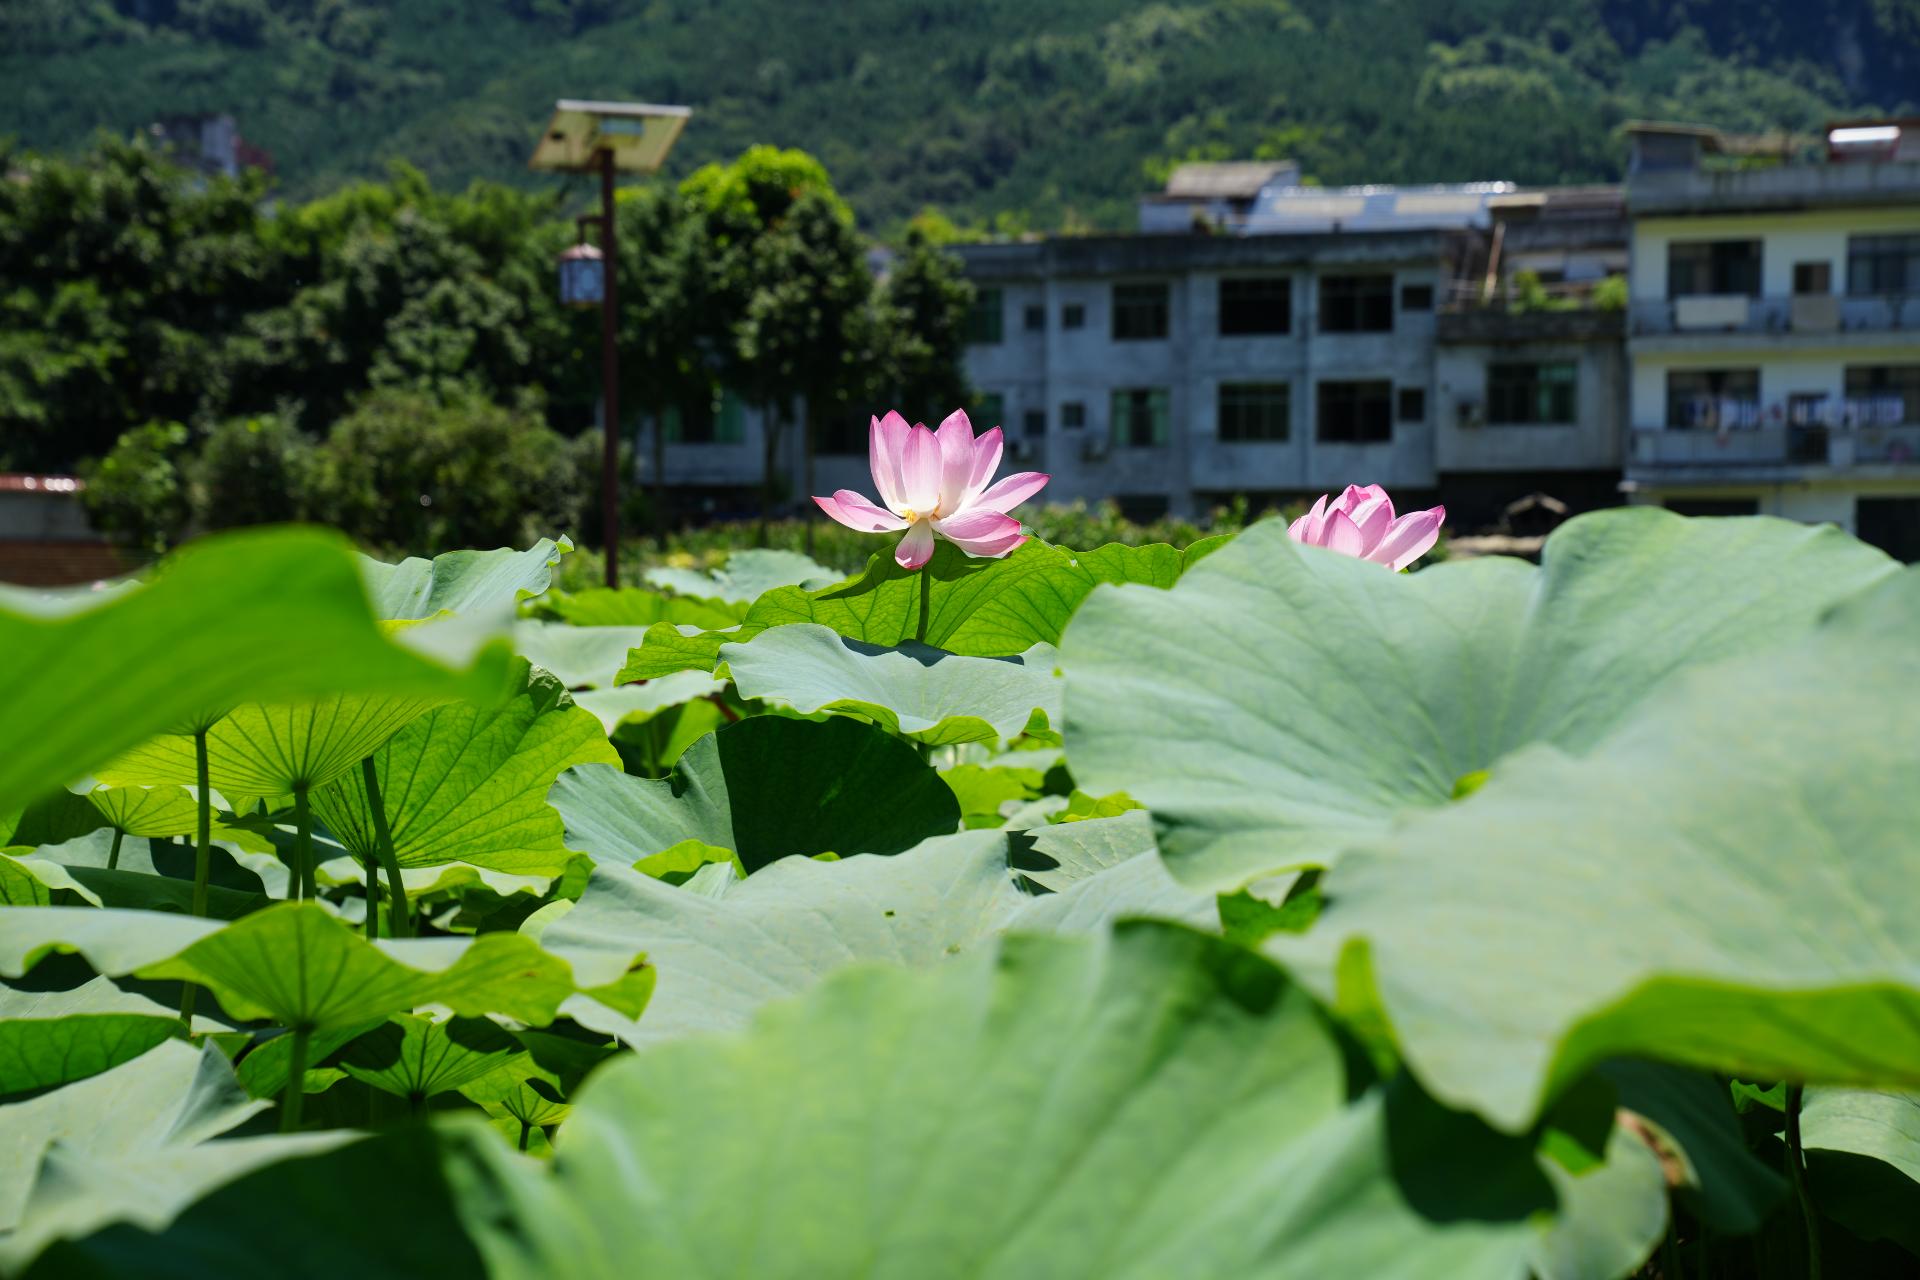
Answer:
(1499, 325)
(1798, 316)
(1772, 453)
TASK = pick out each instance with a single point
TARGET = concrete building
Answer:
(1774, 332)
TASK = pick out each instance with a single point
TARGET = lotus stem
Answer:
(202, 861)
(399, 916)
(113, 854)
(295, 1093)
(926, 603)
(526, 1132)
(308, 886)
(1797, 1175)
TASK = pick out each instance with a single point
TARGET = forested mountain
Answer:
(1047, 114)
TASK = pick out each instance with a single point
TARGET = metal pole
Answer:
(609, 374)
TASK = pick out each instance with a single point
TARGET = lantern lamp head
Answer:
(582, 277)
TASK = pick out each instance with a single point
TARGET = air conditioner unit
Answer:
(1470, 414)
(1094, 447)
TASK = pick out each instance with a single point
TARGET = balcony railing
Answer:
(1776, 446)
(1798, 314)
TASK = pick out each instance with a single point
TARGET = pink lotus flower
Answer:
(936, 482)
(1362, 524)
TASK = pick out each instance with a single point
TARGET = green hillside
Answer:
(1052, 113)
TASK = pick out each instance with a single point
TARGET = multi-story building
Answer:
(1774, 332)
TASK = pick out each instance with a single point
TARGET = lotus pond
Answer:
(1251, 910)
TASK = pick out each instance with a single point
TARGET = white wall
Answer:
(1786, 239)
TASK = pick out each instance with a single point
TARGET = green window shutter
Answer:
(730, 420)
(671, 425)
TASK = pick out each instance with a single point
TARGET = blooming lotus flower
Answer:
(1361, 523)
(936, 482)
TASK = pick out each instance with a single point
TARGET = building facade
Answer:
(1774, 331)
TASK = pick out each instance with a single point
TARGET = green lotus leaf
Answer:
(414, 1057)
(55, 1037)
(1728, 881)
(638, 702)
(1283, 700)
(977, 608)
(783, 929)
(745, 577)
(1863, 1161)
(52, 819)
(462, 582)
(913, 689)
(113, 941)
(1611, 1216)
(170, 1097)
(265, 616)
(635, 607)
(302, 967)
(765, 788)
(274, 750)
(135, 1144)
(147, 811)
(1721, 1180)
(991, 1116)
(27, 881)
(466, 783)
(579, 657)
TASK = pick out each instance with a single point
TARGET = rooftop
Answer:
(1226, 180)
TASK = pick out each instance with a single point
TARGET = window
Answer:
(1413, 404)
(1883, 264)
(1891, 524)
(1036, 319)
(984, 321)
(1034, 422)
(842, 430)
(1355, 412)
(1139, 312)
(1140, 417)
(1532, 394)
(1416, 297)
(1812, 277)
(1255, 410)
(986, 412)
(1073, 415)
(1073, 316)
(1713, 266)
(718, 419)
(1713, 399)
(1356, 304)
(1256, 306)
(1883, 395)
(1714, 506)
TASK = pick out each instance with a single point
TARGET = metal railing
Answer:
(1776, 445)
(1799, 313)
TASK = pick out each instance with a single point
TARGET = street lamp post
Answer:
(605, 138)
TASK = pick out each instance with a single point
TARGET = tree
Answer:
(922, 309)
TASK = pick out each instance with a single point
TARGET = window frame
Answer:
(1145, 317)
(987, 318)
(1241, 416)
(1362, 395)
(1892, 260)
(1073, 415)
(1709, 398)
(1157, 401)
(1247, 303)
(1073, 315)
(1519, 394)
(1719, 267)
(1357, 302)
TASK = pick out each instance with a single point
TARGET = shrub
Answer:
(254, 471)
(137, 494)
(405, 471)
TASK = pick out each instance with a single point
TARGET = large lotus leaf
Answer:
(1284, 700)
(53, 819)
(467, 783)
(302, 967)
(55, 1037)
(147, 811)
(634, 607)
(765, 788)
(1154, 1105)
(27, 881)
(273, 750)
(414, 1057)
(1063, 854)
(1611, 1215)
(370, 1207)
(783, 929)
(579, 657)
(1863, 1161)
(981, 608)
(112, 941)
(615, 707)
(135, 1144)
(745, 577)
(170, 1097)
(925, 693)
(1728, 881)
(462, 581)
(262, 615)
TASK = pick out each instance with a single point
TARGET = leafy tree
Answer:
(138, 493)
(923, 305)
